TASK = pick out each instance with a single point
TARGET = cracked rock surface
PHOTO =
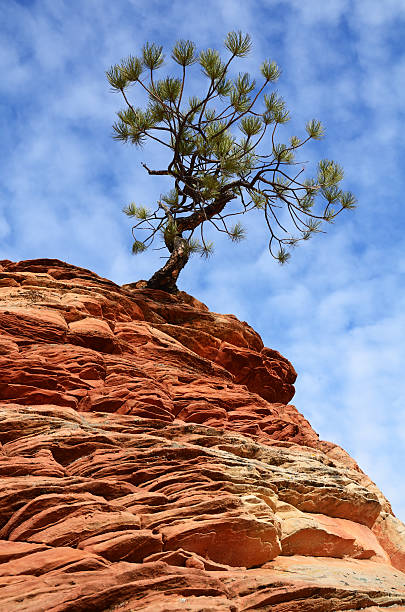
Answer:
(150, 460)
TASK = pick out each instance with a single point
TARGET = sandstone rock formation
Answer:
(150, 461)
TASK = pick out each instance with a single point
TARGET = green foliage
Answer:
(283, 256)
(117, 78)
(281, 185)
(211, 64)
(194, 246)
(282, 153)
(307, 202)
(138, 247)
(239, 101)
(209, 186)
(243, 84)
(167, 89)
(348, 200)
(224, 87)
(329, 173)
(152, 56)
(207, 250)
(223, 147)
(121, 131)
(238, 44)
(133, 125)
(157, 112)
(251, 126)
(313, 226)
(171, 198)
(270, 71)
(315, 129)
(237, 233)
(139, 212)
(259, 199)
(275, 109)
(132, 68)
(184, 53)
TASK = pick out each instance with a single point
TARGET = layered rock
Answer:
(150, 460)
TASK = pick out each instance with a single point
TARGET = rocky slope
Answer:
(150, 460)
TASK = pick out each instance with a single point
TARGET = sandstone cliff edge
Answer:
(150, 460)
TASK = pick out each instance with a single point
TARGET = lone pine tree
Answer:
(219, 160)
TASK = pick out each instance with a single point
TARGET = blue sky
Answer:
(337, 310)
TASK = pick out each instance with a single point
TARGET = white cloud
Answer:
(337, 309)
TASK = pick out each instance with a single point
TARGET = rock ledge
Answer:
(150, 460)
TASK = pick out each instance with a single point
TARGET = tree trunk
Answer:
(165, 279)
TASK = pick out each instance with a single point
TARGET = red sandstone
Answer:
(150, 460)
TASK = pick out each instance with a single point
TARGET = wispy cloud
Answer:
(337, 310)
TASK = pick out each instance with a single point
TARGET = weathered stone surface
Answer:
(391, 533)
(149, 460)
(124, 545)
(318, 535)
(92, 333)
(37, 561)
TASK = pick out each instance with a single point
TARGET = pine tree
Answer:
(216, 145)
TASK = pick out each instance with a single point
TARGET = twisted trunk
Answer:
(165, 279)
